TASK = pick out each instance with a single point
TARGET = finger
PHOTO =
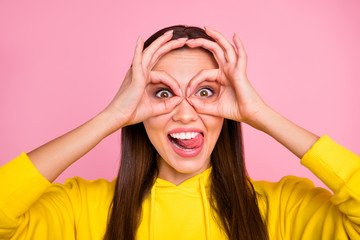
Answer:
(209, 45)
(228, 48)
(154, 46)
(206, 74)
(167, 47)
(167, 79)
(242, 56)
(136, 63)
(204, 107)
(166, 106)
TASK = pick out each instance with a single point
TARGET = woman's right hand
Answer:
(132, 104)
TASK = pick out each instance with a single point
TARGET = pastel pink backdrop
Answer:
(62, 62)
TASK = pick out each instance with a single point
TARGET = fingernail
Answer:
(208, 28)
(169, 32)
(187, 92)
(139, 38)
(180, 91)
(182, 39)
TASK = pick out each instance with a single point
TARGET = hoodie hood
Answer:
(179, 212)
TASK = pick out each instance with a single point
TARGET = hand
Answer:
(237, 99)
(132, 104)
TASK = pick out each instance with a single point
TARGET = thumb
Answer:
(166, 106)
(204, 107)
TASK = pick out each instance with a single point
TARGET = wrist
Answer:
(290, 135)
(261, 120)
(110, 122)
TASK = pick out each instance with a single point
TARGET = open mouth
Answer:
(186, 143)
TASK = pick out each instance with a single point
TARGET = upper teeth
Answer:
(183, 135)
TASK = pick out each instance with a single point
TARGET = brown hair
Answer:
(232, 195)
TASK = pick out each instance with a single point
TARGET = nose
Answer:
(184, 112)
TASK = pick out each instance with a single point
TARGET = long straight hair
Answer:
(232, 196)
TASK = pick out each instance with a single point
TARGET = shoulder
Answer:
(277, 199)
(288, 185)
(79, 192)
(84, 187)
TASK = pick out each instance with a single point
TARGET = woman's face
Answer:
(183, 138)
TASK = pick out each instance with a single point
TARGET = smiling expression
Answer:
(183, 138)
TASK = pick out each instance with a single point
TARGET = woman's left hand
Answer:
(237, 99)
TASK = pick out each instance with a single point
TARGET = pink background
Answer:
(62, 62)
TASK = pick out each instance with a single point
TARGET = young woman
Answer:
(182, 173)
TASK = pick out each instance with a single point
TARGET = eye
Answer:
(163, 93)
(205, 92)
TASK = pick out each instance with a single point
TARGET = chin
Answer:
(190, 165)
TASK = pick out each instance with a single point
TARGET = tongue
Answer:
(190, 143)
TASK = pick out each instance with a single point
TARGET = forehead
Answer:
(184, 63)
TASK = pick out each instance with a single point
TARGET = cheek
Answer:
(213, 126)
(154, 127)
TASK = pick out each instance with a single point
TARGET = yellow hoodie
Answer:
(33, 208)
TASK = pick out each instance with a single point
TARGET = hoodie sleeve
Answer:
(33, 208)
(295, 209)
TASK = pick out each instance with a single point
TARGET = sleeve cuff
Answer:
(333, 164)
(21, 185)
